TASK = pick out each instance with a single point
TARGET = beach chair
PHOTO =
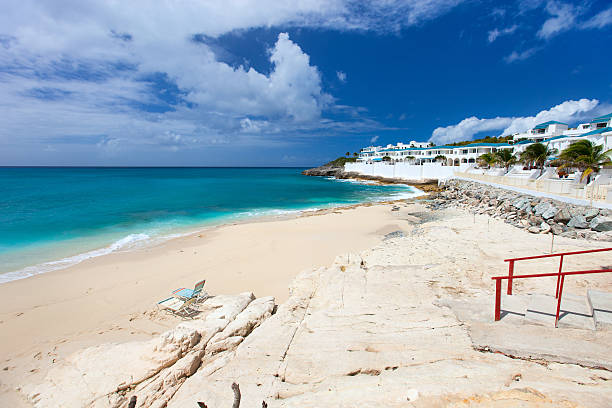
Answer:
(178, 307)
(187, 294)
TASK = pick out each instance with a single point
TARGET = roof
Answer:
(603, 118)
(448, 147)
(524, 142)
(550, 122)
(597, 131)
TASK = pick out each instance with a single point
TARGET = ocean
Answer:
(52, 218)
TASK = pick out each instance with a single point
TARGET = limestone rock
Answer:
(534, 229)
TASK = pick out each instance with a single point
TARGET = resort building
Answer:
(445, 155)
(557, 135)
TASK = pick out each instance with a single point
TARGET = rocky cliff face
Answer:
(535, 214)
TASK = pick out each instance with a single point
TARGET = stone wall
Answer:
(537, 215)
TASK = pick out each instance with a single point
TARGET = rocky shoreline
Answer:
(537, 215)
(427, 185)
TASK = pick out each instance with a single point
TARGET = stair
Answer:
(591, 312)
(601, 305)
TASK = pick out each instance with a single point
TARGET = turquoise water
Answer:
(51, 218)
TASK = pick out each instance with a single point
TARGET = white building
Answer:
(446, 155)
(556, 134)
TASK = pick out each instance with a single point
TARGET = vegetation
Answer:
(341, 161)
(386, 158)
(440, 157)
(505, 158)
(537, 154)
(487, 159)
(585, 156)
(408, 158)
(488, 139)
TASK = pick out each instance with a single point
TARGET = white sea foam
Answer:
(129, 242)
(141, 240)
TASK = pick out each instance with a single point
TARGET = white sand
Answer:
(111, 298)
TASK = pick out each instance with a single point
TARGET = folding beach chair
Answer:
(178, 307)
(187, 294)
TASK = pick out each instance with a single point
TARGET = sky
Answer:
(287, 83)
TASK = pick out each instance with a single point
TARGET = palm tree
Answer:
(537, 154)
(348, 154)
(440, 157)
(505, 158)
(355, 154)
(487, 159)
(586, 156)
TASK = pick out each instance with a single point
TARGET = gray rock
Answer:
(534, 230)
(578, 221)
(569, 234)
(601, 224)
(544, 228)
(563, 216)
(550, 212)
(540, 208)
(591, 213)
(394, 234)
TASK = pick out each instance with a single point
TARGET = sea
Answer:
(52, 218)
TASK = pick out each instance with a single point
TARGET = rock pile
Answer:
(537, 215)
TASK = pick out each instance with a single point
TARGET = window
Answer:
(601, 125)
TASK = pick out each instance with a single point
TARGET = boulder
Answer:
(534, 230)
(563, 216)
(556, 229)
(578, 221)
(541, 208)
(591, 213)
(544, 228)
(550, 212)
(601, 224)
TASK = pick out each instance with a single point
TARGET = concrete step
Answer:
(513, 308)
(575, 311)
(601, 305)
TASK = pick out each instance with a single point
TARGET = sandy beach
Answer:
(112, 298)
(443, 256)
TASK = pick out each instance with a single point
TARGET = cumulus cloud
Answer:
(117, 74)
(569, 111)
(341, 76)
(374, 139)
(495, 33)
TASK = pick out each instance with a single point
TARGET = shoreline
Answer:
(152, 241)
(112, 298)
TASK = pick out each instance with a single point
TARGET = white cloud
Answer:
(374, 139)
(600, 20)
(77, 76)
(520, 56)
(466, 129)
(494, 34)
(341, 76)
(569, 111)
(563, 19)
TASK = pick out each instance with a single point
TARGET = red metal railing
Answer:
(560, 277)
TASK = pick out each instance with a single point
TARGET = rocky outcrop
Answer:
(108, 375)
(339, 173)
(535, 214)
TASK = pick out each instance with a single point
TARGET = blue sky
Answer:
(284, 83)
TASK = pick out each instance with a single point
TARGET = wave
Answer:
(129, 242)
(141, 240)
